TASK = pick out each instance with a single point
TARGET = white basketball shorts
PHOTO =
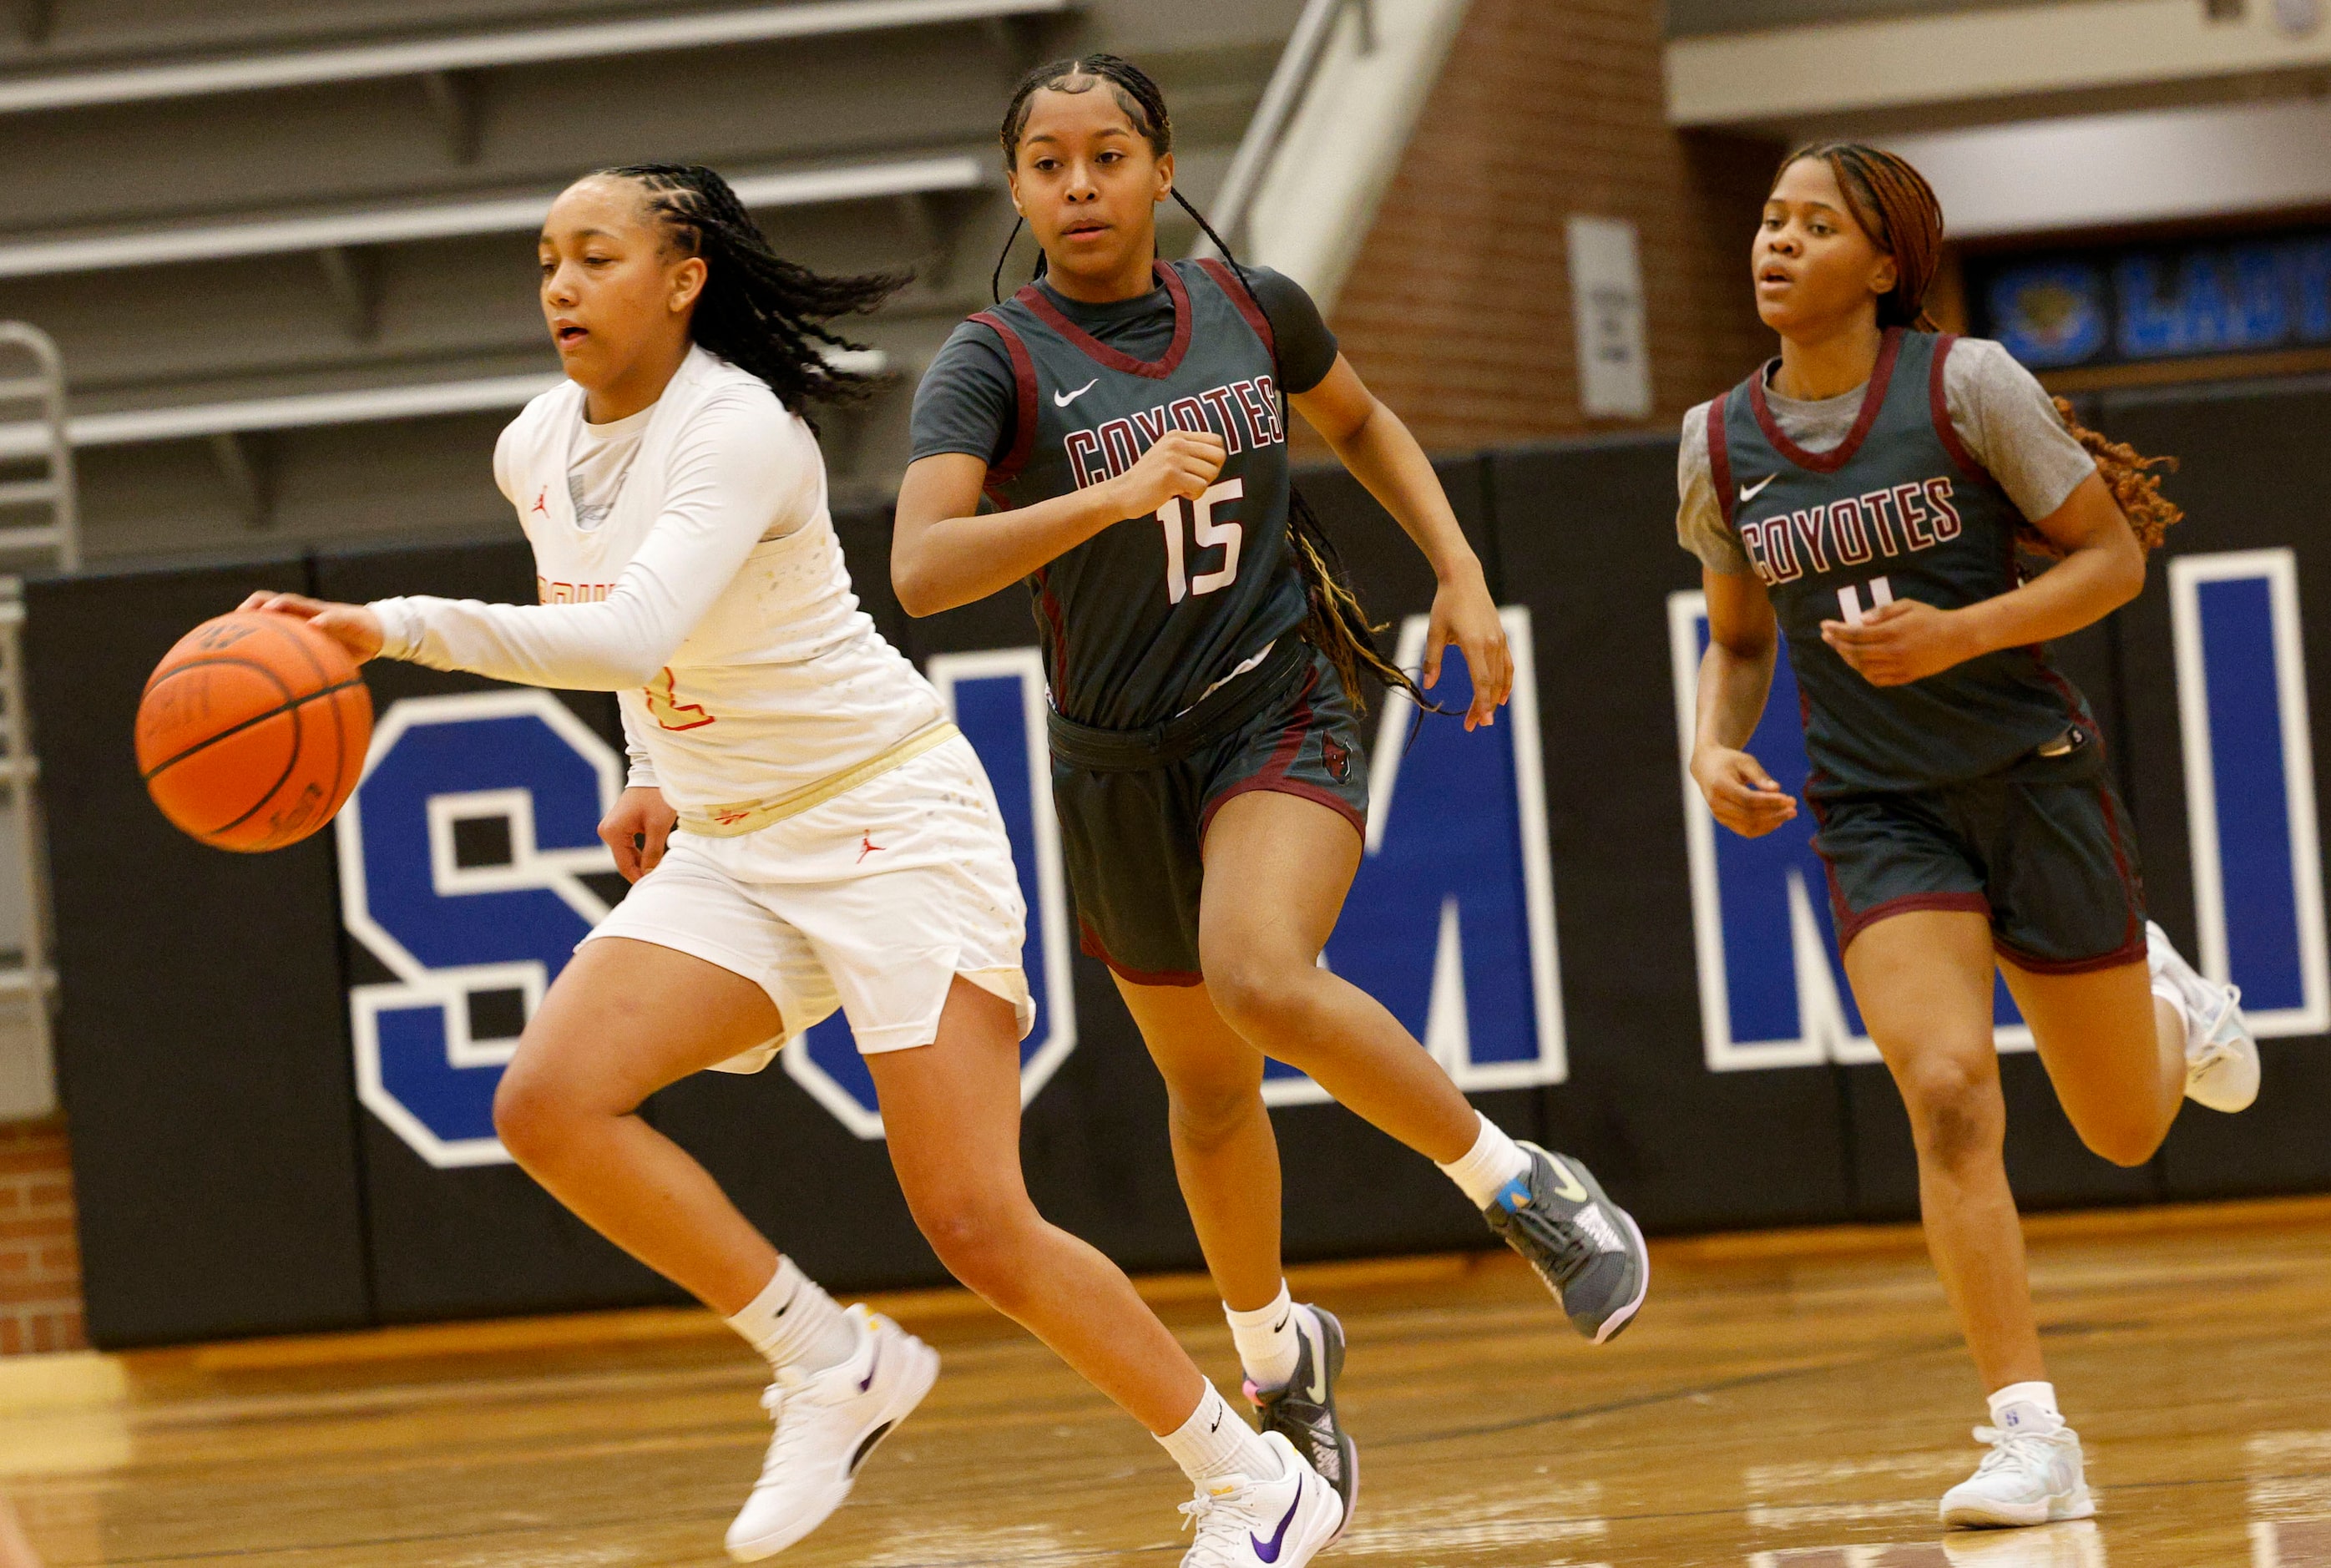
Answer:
(872, 902)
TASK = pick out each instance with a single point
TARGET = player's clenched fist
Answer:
(636, 830)
(1182, 463)
(1740, 794)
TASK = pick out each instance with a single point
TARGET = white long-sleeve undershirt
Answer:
(737, 478)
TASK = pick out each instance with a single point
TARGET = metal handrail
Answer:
(1289, 85)
(32, 976)
(50, 441)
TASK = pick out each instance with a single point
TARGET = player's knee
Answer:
(983, 1241)
(2123, 1143)
(1258, 996)
(1208, 1110)
(535, 1116)
(1955, 1112)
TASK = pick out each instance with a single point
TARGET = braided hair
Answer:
(1900, 213)
(758, 311)
(1336, 623)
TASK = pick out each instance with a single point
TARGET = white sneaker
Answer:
(1245, 1523)
(827, 1424)
(2032, 1476)
(2222, 1058)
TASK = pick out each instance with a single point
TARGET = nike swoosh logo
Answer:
(1571, 1187)
(1268, 1550)
(1750, 492)
(1062, 399)
(1278, 1326)
(872, 1363)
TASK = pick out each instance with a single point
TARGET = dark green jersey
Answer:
(1146, 617)
(1901, 510)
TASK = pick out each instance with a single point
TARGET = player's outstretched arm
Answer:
(2102, 569)
(944, 553)
(1382, 454)
(1735, 676)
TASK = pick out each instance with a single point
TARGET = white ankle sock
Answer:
(793, 1322)
(2014, 1407)
(1268, 1345)
(1216, 1442)
(1492, 1161)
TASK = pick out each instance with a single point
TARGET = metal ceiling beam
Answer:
(489, 51)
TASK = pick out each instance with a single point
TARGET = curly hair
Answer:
(1900, 213)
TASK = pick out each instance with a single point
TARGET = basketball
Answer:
(252, 731)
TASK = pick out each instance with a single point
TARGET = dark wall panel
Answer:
(230, 1182)
(201, 1050)
(483, 1239)
(2249, 478)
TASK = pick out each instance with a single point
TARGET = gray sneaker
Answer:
(1304, 1411)
(1584, 1246)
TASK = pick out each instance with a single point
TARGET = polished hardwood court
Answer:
(1792, 1400)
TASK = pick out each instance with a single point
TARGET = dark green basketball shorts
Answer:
(2041, 847)
(1134, 805)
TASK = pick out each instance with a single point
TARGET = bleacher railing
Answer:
(40, 527)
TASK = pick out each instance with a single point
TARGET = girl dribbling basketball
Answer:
(1125, 416)
(1865, 495)
(805, 830)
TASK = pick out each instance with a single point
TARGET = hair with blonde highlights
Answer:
(1900, 213)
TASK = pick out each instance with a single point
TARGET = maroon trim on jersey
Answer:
(1274, 777)
(1048, 604)
(1102, 354)
(1089, 941)
(1719, 460)
(2132, 886)
(1938, 399)
(2120, 957)
(1849, 922)
(1023, 428)
(1300, 788)
(1854, 923)
(1234, 288)
(1873, 399)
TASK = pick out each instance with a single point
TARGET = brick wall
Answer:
(1458, 312)
(40, 1258)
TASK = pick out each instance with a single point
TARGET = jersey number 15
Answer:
(1205, 533)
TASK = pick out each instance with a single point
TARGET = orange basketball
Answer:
(252, 731)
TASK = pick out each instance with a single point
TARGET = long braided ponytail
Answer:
(760, 313)
(1900, 213)
(1336, 624)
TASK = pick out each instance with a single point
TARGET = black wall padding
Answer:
(201, 1050)
(485, 1240)
(230, 1184)
(1587, 534)
(2251, 478)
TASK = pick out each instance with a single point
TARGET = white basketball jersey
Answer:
(785, 681)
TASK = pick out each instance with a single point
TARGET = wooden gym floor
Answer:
(1787, 1400)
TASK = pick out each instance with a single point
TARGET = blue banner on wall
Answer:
(2162, 301)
